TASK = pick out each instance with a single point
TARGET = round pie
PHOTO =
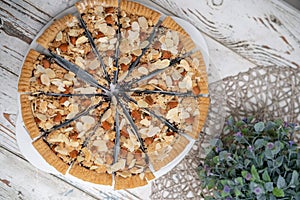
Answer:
(114, 94)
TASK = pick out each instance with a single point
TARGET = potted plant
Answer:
(252, 160)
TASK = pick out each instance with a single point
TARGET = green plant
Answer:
(254, 160)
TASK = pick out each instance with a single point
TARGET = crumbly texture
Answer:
(114, 129)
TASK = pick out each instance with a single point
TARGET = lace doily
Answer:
(263, 92)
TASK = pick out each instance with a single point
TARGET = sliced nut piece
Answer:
(50, 73)
(173, 115)
(196, 90)
(109, 20)
(160, 64)
(59, 36)
(166, 55)
(135, 26)
(63, 47)
(45, 79)
(118, 165)
(149, 100)
(136, 170)
(41, 117)
(45, 63)
(73, 154)
(106, 115)
(143, 23)
(153, 131)
(109, 10)
(142, 103)
(61, 151)
(106, 125)
(101, 144)
(88, 120)
(73, 40)
(132, 163)
(145, 122)
(185, 65)
(81, 40)
(57, 118)
(143, 70)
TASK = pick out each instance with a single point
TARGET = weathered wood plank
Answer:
(265, 33)
(19, 180)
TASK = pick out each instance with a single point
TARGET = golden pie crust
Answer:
(73, 122)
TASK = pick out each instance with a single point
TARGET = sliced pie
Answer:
(116, 95)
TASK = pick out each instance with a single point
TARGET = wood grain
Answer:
(264, 33)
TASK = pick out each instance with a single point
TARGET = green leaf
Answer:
(239, 180)
(224, 194)
(259, 143)
(279, 161)
(265, 176)
(211, 184)
(261, 197)
(254, 173)
(269, 154)
(278, 146)
(224, 182)
(237, 192)
(278, 192)
(270, 125)
(223, 155)
(244, 174)
(259, 127)
(281, 182)
(269, 186)
(294, 179)
(216, 159)
(230, 121)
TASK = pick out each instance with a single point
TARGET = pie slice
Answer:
(66, 38)
(101, 19)
(187, 77)
(67, 141)
(132, 165)
(97, 155)
(137, 24)
(41, 74)
(45, 111)
(170, 44)
(162, 142)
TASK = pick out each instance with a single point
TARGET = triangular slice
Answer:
(68, 39)
(187, 77)
(163, 144)
(101, 19)
(41, 112)
(170, 44)
(41, 74)
(187, 114)
(132, 166)
(96, 157)
(137, 27)
(67, 142)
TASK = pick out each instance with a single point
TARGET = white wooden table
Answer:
(241, 34)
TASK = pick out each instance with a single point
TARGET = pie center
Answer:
(114, 89)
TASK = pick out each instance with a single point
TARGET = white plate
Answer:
(25, 142)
